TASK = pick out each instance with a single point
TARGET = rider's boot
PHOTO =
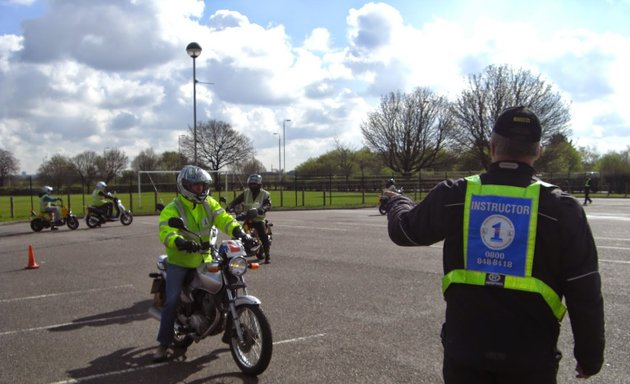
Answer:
(161, 354)
(267, 257)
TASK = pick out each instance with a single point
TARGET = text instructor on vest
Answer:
(513, 248)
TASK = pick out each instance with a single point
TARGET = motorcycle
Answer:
(216, 301)
(247, 218)
(43, 220)
(96, 216)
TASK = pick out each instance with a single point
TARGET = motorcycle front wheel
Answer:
(254, 354)
(72, 222)
(381, 209)
(126, 218)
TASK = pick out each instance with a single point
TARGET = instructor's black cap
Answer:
(518, 123)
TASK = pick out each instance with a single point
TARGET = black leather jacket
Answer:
(502, 329)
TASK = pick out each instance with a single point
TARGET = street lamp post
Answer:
(284, 143)
(194, 50)
(279, 157)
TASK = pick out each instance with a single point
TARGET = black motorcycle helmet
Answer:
(254, 182)
(389, 183)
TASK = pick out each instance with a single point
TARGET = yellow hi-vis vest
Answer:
(249, 202)
(499, 240)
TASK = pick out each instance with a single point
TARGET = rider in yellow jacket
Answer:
(200, 213)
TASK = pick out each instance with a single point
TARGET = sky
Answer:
(101, 74)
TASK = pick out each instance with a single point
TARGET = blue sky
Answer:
(114, 73)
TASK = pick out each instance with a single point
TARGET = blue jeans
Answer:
(175, 276)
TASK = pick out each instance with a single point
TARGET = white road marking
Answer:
(64, 293)
(137, 369)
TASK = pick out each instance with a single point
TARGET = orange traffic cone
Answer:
(32, 264)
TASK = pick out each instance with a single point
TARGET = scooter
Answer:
(43, 220)
(96, 216)
(215, 301)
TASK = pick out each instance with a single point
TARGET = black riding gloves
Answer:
(187, 245)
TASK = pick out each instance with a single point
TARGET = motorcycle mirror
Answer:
(176, 222)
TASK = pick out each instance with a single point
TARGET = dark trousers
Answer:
(264, 239)
(455, 373)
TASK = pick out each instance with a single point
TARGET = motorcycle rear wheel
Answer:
(92, 221)
(36, 225)
(254, 354)
(72, 222)
(126, 218)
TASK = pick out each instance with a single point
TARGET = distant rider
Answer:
(256, 197)
(200, 213)
(45, 205)
(390, 185)
(100, 197)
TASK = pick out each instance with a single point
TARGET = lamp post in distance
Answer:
(279, 157)
(194, 50)
(284, 141)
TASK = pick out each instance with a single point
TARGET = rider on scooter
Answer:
(256, 197)
(45, 205)
(100, 195)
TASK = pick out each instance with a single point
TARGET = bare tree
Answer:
(219, 146)
(497, 88)
(9, 165)
(85, 165)
(111, 164)
(409, 130)
(147, 160)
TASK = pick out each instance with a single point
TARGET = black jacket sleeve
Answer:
(582, 288)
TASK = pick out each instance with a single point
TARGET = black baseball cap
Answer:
(518, 123)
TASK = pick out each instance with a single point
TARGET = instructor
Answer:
(514, 247)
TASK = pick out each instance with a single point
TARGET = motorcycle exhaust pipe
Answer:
(155, 313)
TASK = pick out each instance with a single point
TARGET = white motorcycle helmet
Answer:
(189, 175)
(101, 185)
(46, 189)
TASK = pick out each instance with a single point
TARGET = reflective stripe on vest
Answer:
(499, 241)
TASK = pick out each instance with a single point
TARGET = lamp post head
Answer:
(193, 49)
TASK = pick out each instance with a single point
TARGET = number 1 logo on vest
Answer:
(497, 234)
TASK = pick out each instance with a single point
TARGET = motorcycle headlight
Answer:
(238, 266)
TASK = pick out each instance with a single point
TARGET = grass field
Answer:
(18, 208)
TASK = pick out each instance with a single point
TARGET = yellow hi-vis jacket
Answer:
(199, 219)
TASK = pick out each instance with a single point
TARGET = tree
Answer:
(409, 130)
(111, 164)
(345, 158)
(589, 157)
(172, 161)
(9, 165)
(559, 156)
(219, 146)
(250, 167)
(85, 165)
(497, 88)
(57, 172)
(147, 160)
(614, 167)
